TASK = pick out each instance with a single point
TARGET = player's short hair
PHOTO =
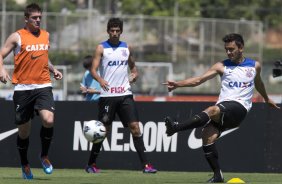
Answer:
(239, 41)
(115, 22)
(87, 62)
(33, 7)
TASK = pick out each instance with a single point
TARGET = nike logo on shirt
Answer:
(34, 57)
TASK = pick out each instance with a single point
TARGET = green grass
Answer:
(79, 176)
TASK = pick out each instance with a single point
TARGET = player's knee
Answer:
(48, 121)
(23, 134)
(208, 140)
(136, 134)
(24, 130)
(213, 112)
(106, 119)
(134, 129)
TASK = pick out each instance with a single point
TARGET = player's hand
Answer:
(57, 74)
(272, 104)
(4, 75)
(104, 85)
(132, 77)
(83, 89)
(171, 85)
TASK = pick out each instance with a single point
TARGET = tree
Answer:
(160, 7)
(269, 12)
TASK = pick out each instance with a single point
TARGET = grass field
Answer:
(78, 176)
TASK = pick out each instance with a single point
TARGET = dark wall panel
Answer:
(254, 147)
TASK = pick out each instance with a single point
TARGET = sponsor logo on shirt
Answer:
(236, 84)
(37, 47)
(117, 90)
(117, 63)
(34, 57)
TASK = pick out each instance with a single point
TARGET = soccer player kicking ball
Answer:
(239, 76)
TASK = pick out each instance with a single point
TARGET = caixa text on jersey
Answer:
(117, 63)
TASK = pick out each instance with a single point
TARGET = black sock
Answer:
(140, 148)
(211, 155)
(94, 152)
(46, 135)
(22, 145)
(196, 121)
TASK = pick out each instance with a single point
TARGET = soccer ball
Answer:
(94, 131)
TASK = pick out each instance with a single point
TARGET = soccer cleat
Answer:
(46, 165)
(170, 126)
(92, 168)
(216, 179)
(148, 168)
(26, 172)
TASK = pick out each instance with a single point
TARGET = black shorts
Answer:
(232, 113)
(27, 102)
(124, 106)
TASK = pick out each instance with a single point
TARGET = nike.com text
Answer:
(154, 137)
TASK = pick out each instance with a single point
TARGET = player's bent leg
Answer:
(195, 121)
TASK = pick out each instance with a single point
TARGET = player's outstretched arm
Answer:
(259, 85)
(196, 81)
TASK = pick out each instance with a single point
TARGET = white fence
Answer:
(189, 44)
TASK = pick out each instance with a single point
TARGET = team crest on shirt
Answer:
(249, 72)
(123, 53)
